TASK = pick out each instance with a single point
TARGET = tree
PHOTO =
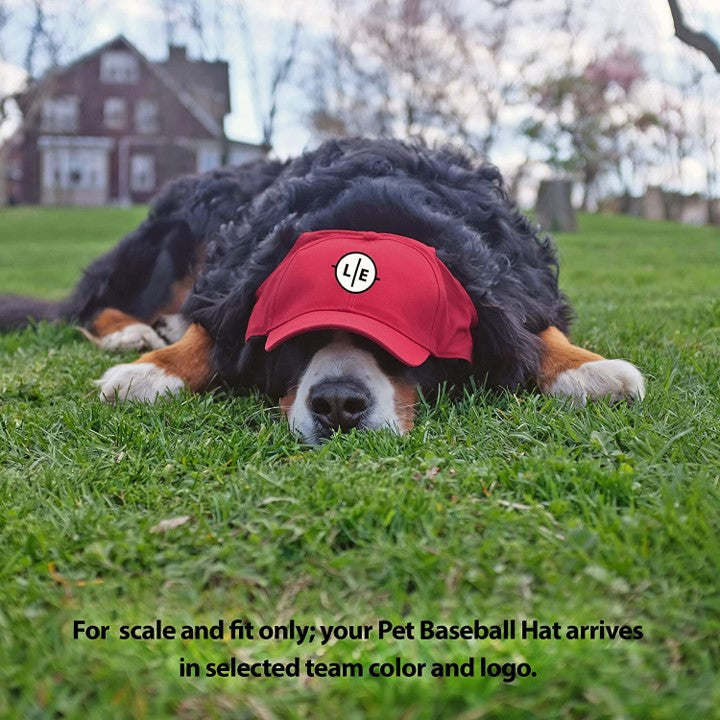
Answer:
(202, 25)
(280, 69)
(583, 119)
(701, 41)
(183, 18)
(441, 69)
(46, 41)
(4, 93)
(391, 68)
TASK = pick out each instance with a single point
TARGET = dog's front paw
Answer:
(137, 336)
(171, 327)
(139, 381)
(613, 379)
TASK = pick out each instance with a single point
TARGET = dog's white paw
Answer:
(613, 379)
(144, 382)
(137, 336)
(171, 327)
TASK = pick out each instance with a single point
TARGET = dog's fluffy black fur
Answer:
(445, 198)
(254, 213)
(136, 276)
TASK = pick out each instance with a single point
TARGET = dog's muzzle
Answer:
(342, 388)
(339, 404)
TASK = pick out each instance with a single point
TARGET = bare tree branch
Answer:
(699, 40)
(4, 15)
(197, 25)
(266, 103)
(280, 76)
(36, 31)
(251, 59)
(49, 35)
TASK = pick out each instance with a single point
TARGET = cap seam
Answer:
(437, 299)
(362, 314)
(275, 294)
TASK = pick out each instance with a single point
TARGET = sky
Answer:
(648, 22)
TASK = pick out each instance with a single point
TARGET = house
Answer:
(112, 127)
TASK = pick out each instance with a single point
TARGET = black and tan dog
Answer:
(356, 276)
(131, 297)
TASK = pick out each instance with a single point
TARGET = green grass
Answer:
(43, 249)
(516, 506)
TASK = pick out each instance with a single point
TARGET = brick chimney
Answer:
(177, 54)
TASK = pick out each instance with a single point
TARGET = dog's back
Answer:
(150, 271)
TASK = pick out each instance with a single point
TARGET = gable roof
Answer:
(185, 98)
(207, 81)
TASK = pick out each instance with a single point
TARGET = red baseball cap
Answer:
(391, 289)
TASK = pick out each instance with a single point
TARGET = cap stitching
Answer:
(370, 317)
(348, 312)
(431, 351)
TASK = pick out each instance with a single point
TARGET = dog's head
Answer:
(350, 316)
(333, 380)
(442, 199)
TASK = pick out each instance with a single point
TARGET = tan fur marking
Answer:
(179, 292)
(111, 320)
(286, 401)
(560, 355)
(406, 396)
(188, 358)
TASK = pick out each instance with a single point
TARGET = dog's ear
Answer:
(270, 372)
(245, 370)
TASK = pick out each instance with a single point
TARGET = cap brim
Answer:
(397, 344)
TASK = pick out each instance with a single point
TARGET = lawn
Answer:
(496, 507)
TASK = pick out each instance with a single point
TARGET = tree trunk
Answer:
(553, 206)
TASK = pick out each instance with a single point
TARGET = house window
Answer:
(147, 117)
(60, 114)
(65, 168)
(142, 173)
(115, 113)
(118, 66)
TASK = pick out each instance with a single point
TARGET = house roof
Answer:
(207, 81)
(185, 98)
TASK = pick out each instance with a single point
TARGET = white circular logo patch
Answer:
(355, 272)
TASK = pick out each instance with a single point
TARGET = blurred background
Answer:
(611, 106)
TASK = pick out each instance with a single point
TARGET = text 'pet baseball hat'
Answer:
(389, 288)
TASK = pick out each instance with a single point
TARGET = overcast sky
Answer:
(647, 22)
(270, 21)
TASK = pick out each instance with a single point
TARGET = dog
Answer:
(365, 272)
(131, 297)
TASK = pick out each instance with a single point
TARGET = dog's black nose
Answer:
(338, 404)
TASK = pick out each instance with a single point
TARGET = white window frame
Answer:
(60, 113)
(147, 117)
(119, 67)
(115, 113)
(142, 172)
